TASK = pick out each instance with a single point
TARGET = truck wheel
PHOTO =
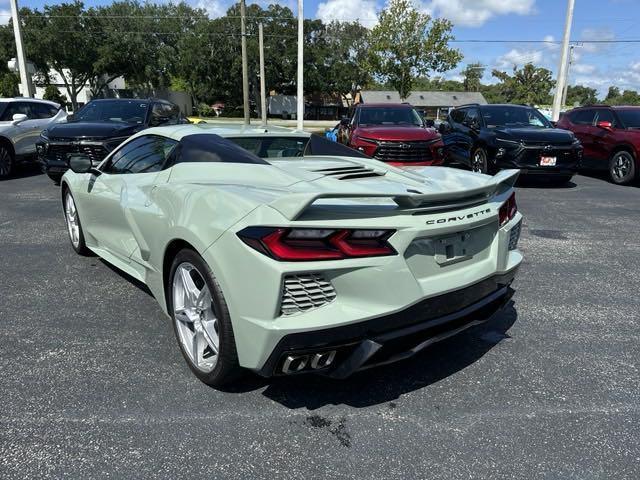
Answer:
(622, 168)
(6, 161)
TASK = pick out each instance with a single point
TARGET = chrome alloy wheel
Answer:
(196, 322)
(479, 162)
(622, 165)
(71, 216)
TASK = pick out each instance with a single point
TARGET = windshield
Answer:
(505, 116)
(630, 118)
(389, 116)
(122, 111)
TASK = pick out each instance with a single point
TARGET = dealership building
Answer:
(435, 105)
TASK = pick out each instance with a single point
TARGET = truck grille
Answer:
(403, 151)
(95, 152)
(304, 292)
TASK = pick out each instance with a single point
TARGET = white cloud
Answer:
(517, 57)
(583, 68)
(596, 34)
(5, 16)
(550, 42)
(363, 11)
(214, 8)
(474, 13)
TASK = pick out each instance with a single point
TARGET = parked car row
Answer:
(488, 138)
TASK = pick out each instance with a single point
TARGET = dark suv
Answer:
(98, 128)
(610, 137)
(488, 138)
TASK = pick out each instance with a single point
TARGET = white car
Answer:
(21, 121)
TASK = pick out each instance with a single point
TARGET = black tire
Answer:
(622, 168)
(6, 161)
(79, 246)
(479, 161)
(227, 368)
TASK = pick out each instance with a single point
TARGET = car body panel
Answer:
(132, 221)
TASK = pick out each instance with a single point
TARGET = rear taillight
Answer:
(508, 210)
(309, 244)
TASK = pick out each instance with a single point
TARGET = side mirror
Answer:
(344, 121)
(444, 128)
(18, 118)
(158, 121)
(80, 163)
(429, 123)
(605, 125)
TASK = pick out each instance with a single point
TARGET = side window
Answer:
(583, 117)
(42, 110)
(605, 115)
(472, 116)
(164, 114)
(16, 107)
(458, 115)
(143, 155)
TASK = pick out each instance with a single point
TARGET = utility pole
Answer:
(562, 69)
(263, 93)
(300, 96)
(245, 68)
(566, 85)
(27, 90)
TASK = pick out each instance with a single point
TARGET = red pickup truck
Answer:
(392, 133)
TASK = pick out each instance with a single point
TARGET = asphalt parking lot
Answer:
(92, 383)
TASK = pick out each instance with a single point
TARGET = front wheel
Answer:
(74, 227)
(201, 320)
(479, 161)
(622, 168)
(6, 161)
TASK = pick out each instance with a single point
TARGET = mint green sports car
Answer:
(282, 252)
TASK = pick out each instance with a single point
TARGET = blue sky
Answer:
(595, 65)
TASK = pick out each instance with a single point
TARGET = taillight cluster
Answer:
(309, 244)
(508, 210)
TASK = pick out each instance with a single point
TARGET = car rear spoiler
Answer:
(293, 205)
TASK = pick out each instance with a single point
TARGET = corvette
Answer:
(317, 263)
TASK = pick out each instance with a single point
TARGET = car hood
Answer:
(398, 133)
(95, 130)
(291, 186)
(551, 135)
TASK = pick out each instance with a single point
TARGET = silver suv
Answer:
(21, 121)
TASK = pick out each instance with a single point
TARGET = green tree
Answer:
(472, 75)
(9, 84)
(52, 93)
(529, 85)
(613, 96)
(581, 95)
(65, 39)
(406, 44)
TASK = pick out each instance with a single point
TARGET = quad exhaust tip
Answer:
(311, 361)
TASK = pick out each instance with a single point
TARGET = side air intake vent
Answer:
(303, 292)
(350, 173)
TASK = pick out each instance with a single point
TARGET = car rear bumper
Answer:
(390, 338)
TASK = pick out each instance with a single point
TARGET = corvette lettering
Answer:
(458, 218)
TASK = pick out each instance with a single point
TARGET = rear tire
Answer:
(6, 161)
(201, 320)
(622, 168)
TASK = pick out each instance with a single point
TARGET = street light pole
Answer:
(245, 68)
(565, 91)
(300, 93)
(263, 93)
(22, 63)
(562, 68)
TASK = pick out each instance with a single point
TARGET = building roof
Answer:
(424, 99)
